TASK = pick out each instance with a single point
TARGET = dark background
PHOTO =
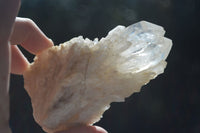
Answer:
(168, 104)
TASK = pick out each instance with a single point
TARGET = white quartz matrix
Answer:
(74, 83)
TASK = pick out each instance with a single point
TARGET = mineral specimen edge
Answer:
(74, 83)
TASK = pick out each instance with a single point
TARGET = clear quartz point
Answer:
(140, 46)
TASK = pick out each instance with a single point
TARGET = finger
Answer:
(28, 35)
(18, 62)
(8, 12)
(85, 129)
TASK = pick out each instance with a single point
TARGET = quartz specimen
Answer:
(74, 83)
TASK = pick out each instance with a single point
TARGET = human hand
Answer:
(29, 36)
(9, 23)
(8, 12)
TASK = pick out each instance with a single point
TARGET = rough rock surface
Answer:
(75, 82)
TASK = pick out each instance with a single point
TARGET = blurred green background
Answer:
(168, 104)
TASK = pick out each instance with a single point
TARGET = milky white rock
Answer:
(74, 83)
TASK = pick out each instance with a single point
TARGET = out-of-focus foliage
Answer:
(169, 104)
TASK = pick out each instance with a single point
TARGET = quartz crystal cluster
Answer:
(74, 83)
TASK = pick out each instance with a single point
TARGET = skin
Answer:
(21, 31)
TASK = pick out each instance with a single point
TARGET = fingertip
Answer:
(45, 44)
(50, 43)
(85, 129)
(100, 129)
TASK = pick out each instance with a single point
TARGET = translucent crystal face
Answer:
(147, 46)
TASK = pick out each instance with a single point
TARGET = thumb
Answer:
(85, 129)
